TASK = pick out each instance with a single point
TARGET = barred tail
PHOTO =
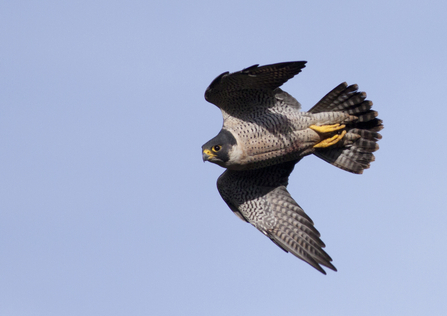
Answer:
(354, 152)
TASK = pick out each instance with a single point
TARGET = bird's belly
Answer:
(264, 149)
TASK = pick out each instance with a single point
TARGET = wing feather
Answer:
(250, 83)
(261, 197)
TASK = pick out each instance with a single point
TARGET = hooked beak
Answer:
(207, 155)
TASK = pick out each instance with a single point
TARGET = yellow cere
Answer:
(209, 153)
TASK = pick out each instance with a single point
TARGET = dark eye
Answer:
(217, 148)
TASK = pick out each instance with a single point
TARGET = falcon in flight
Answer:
(265, 134)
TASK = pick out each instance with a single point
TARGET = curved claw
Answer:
(327, 128)
(330, 141)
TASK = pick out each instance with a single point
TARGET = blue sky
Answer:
(106, 207)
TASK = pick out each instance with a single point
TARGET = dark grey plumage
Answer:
(265, 134)
(218, 149)
(355, 152)
(269, 127)
(260, 197)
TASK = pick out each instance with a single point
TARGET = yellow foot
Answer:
(330, 141)
(327, 128)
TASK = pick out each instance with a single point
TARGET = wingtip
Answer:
(250, 68)
(213, 84)
(298, 64)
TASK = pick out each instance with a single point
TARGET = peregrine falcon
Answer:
(265, 134)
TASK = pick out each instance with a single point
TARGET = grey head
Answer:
(220, 150)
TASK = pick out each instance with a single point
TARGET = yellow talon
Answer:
(330, 141)
(327, 128)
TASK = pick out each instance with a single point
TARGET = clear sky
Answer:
(106, 207)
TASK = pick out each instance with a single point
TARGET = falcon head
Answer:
(221, 150)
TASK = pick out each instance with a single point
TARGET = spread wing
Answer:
(251, 85)
(260, 197)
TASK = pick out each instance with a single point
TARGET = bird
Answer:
(265, 134)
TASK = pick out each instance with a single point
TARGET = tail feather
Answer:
(350, 159)
(366, 134)
(360, 108)
(355, 152)
(351, 103)
(324, 104)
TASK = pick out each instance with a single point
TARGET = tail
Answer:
(354, 152)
